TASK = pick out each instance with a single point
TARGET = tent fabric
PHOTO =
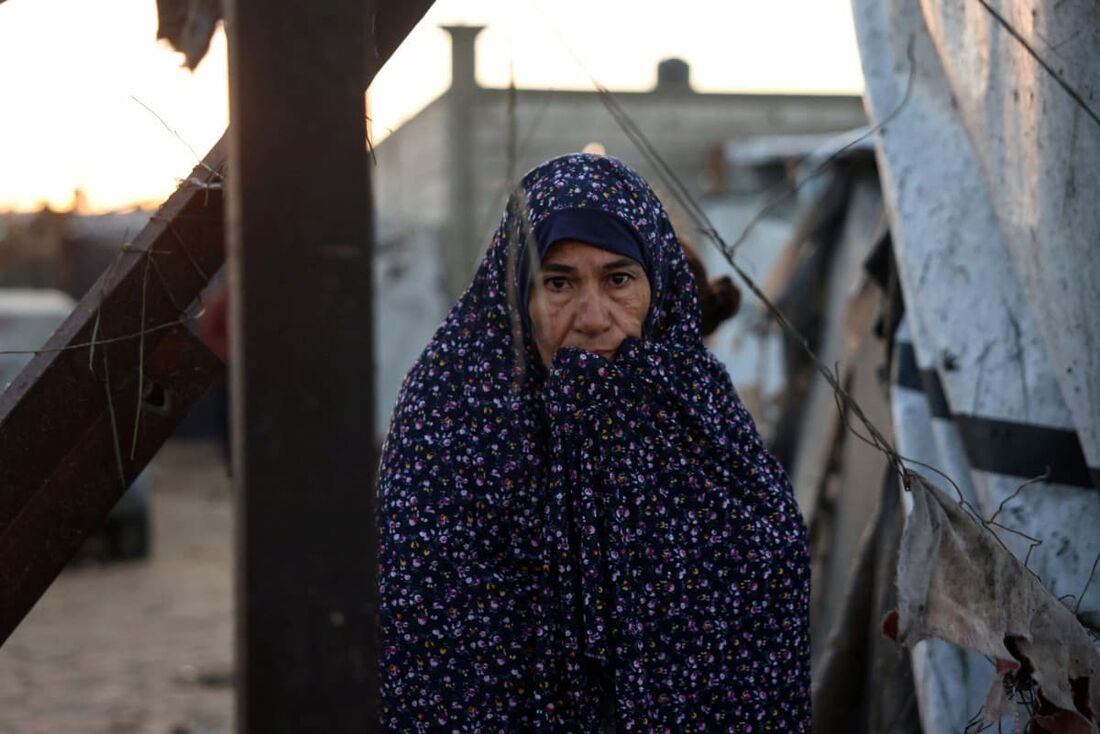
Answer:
(994, 229)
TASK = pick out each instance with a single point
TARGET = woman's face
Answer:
(582, 296)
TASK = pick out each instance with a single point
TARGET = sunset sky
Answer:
(77, 76)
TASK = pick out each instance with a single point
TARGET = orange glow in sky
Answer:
(76, 77)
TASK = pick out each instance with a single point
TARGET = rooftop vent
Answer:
(673, 75)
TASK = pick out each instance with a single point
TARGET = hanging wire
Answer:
(1076, 96)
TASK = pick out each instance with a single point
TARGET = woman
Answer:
(580, 528)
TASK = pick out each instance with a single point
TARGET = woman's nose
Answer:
(593, 315)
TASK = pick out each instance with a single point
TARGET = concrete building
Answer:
(443, 177)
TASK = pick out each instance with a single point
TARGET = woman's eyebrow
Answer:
(623, 262)
(558, 268)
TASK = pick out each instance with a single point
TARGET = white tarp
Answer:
(1038, 152)
(990, 174)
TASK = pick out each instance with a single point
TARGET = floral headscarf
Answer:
(545, 531)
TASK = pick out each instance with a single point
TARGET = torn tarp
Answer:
(188, 25)
(957, 582)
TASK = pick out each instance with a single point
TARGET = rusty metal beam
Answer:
(99, 465)
(71, 435)
(58, 476)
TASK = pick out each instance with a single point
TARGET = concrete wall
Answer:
(410, 175)
(684, 127)
(411, 210)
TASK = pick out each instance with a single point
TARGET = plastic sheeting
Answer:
(1038, 153)
(981, 153)
(957, 583)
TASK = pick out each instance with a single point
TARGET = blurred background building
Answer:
(443, 177)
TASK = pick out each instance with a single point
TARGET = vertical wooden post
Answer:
(299, 250)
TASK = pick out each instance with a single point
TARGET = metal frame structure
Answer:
(96, 403)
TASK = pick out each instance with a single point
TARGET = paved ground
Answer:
(141, 646)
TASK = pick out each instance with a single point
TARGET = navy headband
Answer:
(592, 227)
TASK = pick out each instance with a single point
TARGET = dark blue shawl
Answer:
(541, 531)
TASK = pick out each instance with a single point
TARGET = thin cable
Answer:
(1058, 78)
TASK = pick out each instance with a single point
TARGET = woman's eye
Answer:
(555, 284)
(620, 279)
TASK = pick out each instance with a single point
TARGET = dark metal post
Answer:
(299, 251)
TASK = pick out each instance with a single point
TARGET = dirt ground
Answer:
(141, 646)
